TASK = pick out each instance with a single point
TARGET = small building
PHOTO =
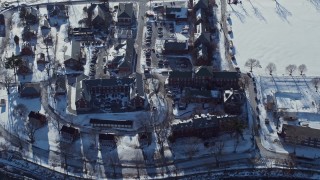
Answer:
(202, 56)
(145, 138)
(69, 134)
(75, 57)
(41, 59)
(37, 119)
(27, 33)
(31, 16)
(233, 101)
(107, 140)
(99, 123)
(30, 90)
(59, 86)
(27, 49)
(300, 135)
(125, 14)
(176, 13)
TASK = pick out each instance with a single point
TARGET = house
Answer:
(37, 119)
(203, 127)
(69, 134)
(125, 14)
(31, 16)
(175, 47)
(144, 138)
(233, 101)
(99, 15)
(75, 56)
(30, 90)
(176, 13)
(58, 10)
(301, 135)
(226, 80)
(59, 86)
(107, 140)
(26, 49)
(200, 4)
(99, 123)
(27, 33)
(41, 59)
(87, 91)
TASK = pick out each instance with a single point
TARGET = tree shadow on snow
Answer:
(316, 4)
(239, 15)
(257, 12)
(282, 11)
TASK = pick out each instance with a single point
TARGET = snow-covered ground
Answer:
(295, 95)
(282, 31)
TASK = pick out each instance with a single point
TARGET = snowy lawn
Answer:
(283, 32)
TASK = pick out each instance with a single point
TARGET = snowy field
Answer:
(283, 32)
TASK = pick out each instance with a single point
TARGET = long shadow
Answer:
(257, 12)
(282, 11)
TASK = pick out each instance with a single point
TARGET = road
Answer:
(224, 26)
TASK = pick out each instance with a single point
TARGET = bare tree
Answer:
(30, 130)
(20, 111)
(113, 162)
(252, 63)
(219, 146)
(271, 67)
(192, 148)
(302, 69)
(236, 144)
(18, 138)
(7, 82)
(291, 69)
(244, 82)
(315, 82)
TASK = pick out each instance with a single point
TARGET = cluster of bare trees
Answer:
(271, 67)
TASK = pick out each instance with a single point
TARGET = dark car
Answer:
(249, 74)
(255, 89)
